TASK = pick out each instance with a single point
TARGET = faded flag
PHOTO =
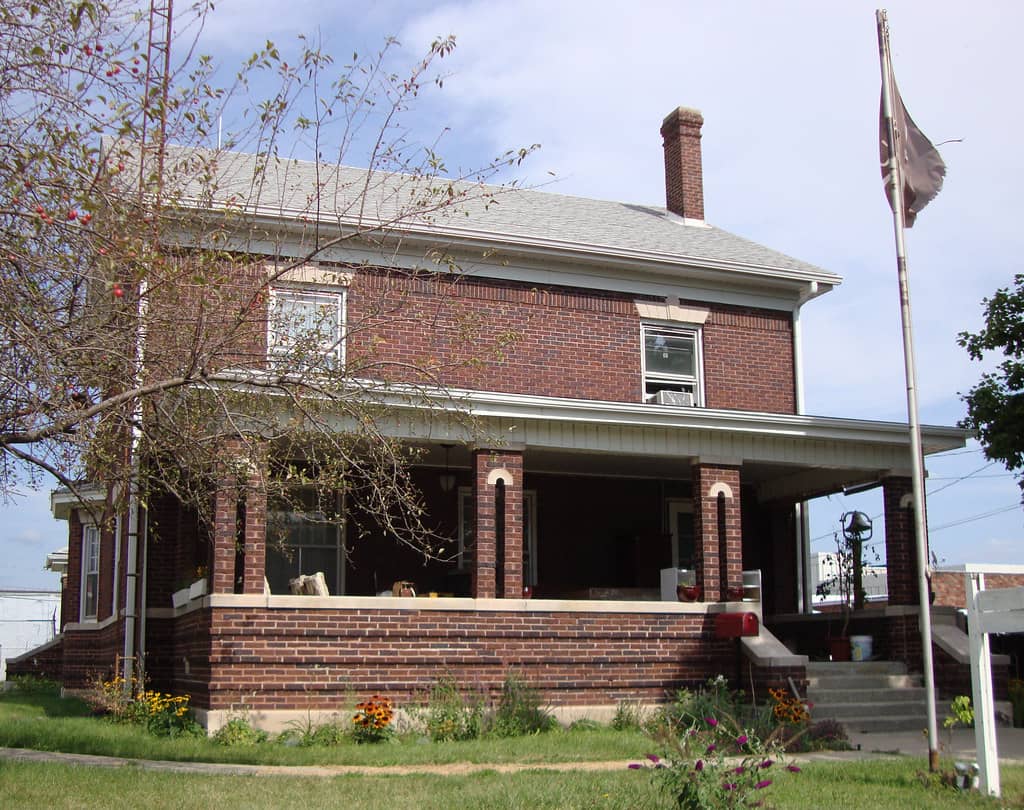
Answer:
(920, 162)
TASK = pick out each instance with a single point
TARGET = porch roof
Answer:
(784, 456)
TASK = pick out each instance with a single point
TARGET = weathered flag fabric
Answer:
(920, 163)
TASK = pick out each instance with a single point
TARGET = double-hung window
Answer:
(671, 364)
(90, 572)
(305, 536)
(305, 326)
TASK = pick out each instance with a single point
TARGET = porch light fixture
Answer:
(447, 479)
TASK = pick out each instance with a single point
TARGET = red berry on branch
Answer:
(118, 292)
(72, 215)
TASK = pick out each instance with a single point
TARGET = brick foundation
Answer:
(284, 658)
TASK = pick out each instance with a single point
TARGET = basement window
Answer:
(671, 365)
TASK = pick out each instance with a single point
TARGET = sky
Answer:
(789, 92)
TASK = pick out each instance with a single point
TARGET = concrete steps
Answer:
(868, 696)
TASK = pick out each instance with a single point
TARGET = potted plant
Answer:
(687, 589)
(846, 579)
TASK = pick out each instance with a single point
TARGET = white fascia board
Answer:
(643, 415)
(705, 279)
(525, 407)
(62, 501)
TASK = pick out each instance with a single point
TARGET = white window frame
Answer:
(529, 532)
(334, 351)
(91, 543)
(339, 544)
(677, 507)
(674, 382)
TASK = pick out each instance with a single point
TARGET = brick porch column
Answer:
(494, 470)
(255, 567)
(224, 535)
(234, 498)
(718, 548)
(900, 552)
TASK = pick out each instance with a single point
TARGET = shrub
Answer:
(628, 716)
(34, 685)
(162, 714)
(1017, 699)
(519, 711)
(688, 708)
(714, 764)
(449, 716)
(239, 731)
(372, 721)
(827, 735)
(328, 734)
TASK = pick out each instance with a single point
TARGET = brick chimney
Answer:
(684, 175)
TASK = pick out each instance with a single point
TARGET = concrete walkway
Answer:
(866, 746)
(959, 745)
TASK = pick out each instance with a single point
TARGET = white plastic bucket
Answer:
(860, 648)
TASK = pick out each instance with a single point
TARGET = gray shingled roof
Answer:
(526, 217)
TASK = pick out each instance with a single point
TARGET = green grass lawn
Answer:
(879, 785)
(47, 723)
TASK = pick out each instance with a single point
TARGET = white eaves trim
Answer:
(807, 283)
(524, 407)
(63, 500)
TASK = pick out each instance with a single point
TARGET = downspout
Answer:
(131, 573)
(118, 537)
(801, 510)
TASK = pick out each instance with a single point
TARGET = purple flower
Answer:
(699, 765)
(710, 748)
(654, 758)
(742, 739)
(711, 721)
(793, 768)
(739, 769)
(767, 763)
(762, 784)
(635, 766)
(729, 785)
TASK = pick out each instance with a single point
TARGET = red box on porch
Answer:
(734, 625)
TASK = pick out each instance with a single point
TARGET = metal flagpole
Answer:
(917, 459)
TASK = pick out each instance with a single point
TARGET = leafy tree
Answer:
(995, 406)
(136, 276)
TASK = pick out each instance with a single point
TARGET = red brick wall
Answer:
(48, 663)
(288, 659)
(900, 547)
(949, 586)
(558, 339)
(486, 334)
(748, 360)
(89, 654)
(73, 593)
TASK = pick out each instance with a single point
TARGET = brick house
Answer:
(647, 418)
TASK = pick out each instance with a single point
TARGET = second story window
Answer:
(305, 327)
(671, 365)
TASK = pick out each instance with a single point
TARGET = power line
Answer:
(973, 518)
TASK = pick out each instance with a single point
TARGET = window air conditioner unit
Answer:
(681, 398)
